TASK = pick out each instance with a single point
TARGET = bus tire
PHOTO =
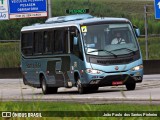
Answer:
(46, 89)
(81, 88)
(24, 81)
(131, 86)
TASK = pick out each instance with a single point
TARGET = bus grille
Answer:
(120, 61)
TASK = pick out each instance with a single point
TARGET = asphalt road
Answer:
(146, 92)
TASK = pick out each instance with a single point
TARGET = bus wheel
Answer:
(47, 90)
(131, 86)
(81, 89)
(24, 81)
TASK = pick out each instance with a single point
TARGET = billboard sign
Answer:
(157, 9)
(4, 10)
(27, 8)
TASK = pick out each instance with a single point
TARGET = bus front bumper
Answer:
(112, 79)
(116, 80)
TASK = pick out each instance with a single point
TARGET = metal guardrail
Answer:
(151, 66)
(10, 73)
(9, 40)
(150, 35)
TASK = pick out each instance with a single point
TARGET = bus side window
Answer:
(59, 40)
(27, 43)
(48, 42)
(65, 49)
(38, 43)
(45, 37)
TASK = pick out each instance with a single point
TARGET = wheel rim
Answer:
(43, 85)
(79, 86)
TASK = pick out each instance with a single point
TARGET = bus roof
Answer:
(72, 20)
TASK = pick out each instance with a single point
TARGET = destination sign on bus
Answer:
(77, 11)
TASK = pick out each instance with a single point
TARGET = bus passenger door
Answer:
(76, 51)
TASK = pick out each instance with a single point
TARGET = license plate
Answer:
(117, 83)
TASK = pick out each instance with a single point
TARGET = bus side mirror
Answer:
(75, 40)
(137, 32)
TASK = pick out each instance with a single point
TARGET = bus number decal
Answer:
(33, 65)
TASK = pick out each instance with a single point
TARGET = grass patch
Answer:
(10, 55)
(65, 106)
(74, 107)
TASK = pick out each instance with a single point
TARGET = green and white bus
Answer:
(76, 51)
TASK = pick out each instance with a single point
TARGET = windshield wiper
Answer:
(126, 49)
(104, 51)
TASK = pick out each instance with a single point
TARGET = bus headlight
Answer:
(137, 68)
(91, 71)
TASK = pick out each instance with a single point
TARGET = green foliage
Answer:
(10, 30)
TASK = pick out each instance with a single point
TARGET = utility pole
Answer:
(49, 9)
(146, 13)
(146, 31)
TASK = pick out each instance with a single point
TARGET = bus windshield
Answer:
(109, 39)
